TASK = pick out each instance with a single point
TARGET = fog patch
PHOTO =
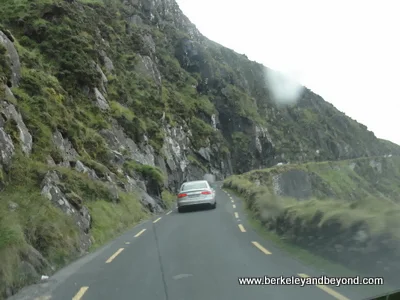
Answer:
(210, 178)
(285, 90)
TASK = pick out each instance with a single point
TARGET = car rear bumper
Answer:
(196, 202)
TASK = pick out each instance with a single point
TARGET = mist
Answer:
(284, 89)
(210, 178)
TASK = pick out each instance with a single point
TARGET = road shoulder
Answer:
(291, 255)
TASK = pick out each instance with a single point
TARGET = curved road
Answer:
(195, 255)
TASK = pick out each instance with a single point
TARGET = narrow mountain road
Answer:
(196, 255)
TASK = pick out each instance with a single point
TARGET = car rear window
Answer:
(194, 186)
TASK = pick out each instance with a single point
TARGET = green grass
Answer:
(35, 222)
(5, 71)
(148, 172)
(168, 198)
(109, 219)
(119, 111)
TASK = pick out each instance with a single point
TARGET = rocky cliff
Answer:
(108, 105)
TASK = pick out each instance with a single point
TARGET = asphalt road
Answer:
(196, 255)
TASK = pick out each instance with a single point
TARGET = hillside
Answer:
(347, 212)
(107, 106)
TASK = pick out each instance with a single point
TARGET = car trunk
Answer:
(195, 194)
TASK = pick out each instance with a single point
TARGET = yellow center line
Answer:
(232, 201)
(328, 290)
(114, 255)
(236, 215)
(169, 212)
(261, 248)
(234, 206)
(80, 293)
(127, 243)
(140, 232)
(241, 228)
(155, 221)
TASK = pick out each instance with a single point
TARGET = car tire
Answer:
(180, 210)
(214, 206)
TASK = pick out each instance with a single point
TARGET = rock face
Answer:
(120, 143)
(52, 190)
(13, 59)
(293, 183)
(66, 149)
(11, 114)
(12, 118)
(147, 67)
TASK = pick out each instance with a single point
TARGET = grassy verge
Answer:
(325, 232)
(304, 256)
(168, 198)
(34, 222)
(298, 253)
(30, 222)
(111, 219)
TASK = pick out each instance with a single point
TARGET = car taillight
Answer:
(206, 193)
(182, 195)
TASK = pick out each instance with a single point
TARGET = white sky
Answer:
(347, 51)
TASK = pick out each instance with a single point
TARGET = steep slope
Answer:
(107, 106)
(347, 211)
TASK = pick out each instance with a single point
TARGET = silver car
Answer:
(196, 193)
